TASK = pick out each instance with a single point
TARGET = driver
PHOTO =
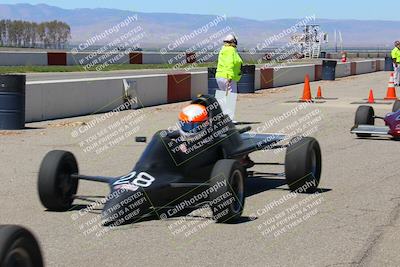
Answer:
(194, 122)
(196, 129)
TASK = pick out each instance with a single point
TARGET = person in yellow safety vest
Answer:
(229, 65)
(229, 73)
(396, 63)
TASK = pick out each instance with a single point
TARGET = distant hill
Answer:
(164, 28)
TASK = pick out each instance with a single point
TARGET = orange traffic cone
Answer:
(319, 93)
(371, 98)
(307, 90)
(391, 90)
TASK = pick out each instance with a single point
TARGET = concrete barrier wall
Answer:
(343, 70)
(60, 99)
(380, 65)
(257, 80)
(270, 78)
(359, 67)
(23, 59)
(86, 58)
(150, 90)
(34, 110)
(293, 75)
(365, 67)
(199, 84)
(47, 100)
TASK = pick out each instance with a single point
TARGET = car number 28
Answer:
(143, 179)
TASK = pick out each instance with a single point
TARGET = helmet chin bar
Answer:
(192, 136)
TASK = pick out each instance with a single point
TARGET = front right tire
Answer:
(55, 185)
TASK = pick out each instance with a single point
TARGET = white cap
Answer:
(230, 38)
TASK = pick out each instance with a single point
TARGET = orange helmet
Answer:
(193, 118)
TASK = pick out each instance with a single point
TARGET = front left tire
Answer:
(396, 106)
(364, 116)
(227, 202)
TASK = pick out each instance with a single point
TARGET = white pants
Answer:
(223, 83)
(227, 101)
(396, 74)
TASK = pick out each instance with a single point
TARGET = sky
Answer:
(252, 9)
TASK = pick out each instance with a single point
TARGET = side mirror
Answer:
(140, 139)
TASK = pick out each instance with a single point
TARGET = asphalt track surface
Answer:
(353, 221)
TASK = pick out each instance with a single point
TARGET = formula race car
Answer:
(19, 247)
(174, 175)
(365, 122)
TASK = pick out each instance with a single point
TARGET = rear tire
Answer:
(396, 106)
(227, 202)
(303, 165)
(18, 247)
(55, 185)
(364, 116)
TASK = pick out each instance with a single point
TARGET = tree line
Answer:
(19, 33)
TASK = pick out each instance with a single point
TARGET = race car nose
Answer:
(123, 207)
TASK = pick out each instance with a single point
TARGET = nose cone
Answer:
(124, 206)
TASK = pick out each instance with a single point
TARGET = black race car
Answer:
(174, 176)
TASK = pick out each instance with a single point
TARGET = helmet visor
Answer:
(191, 127)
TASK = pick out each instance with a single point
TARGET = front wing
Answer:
(370, 129)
